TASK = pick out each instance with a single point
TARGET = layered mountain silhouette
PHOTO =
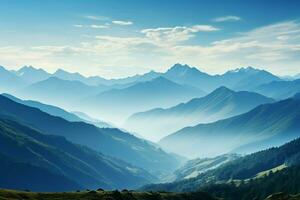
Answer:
(118, 104)
(112, 142)
(59, 112)
(265, 126)
(221, 103)
(70, 164)
(77, 92)
(59, 92)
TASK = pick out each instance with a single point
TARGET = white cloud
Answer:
(175, 34)
(275, 47)
(78, 25)
(99, 26)
(97, 18)
(122, 23)
(227, 18)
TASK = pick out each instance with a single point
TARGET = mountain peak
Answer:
(61, 71)
(244, 70)
(222, 90)
(29, 69)
(179, 68)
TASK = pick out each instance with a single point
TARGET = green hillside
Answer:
(32, 153)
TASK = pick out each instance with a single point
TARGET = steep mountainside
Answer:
(220, 104)
(264, 126)
(251, 167)
(61, 159)
(59, 112)
(111, 142)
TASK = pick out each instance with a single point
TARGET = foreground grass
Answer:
(105, 195)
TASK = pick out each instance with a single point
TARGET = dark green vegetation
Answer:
(220, 104)
(263, 127)
(256, 175)
(31, 160)
(287, 180)
(103, 195)
(112, 142)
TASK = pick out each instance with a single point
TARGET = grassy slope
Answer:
(109, 195)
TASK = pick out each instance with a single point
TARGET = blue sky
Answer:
(120, 38)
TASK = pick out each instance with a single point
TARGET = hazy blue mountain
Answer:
(59, 112)
(31, 75)
(83, 166)
(184, 74)
(265, 126)
(113, 142)
(297, 76)
(117, 104)
(9, 82)
(246, 78)
(91, 120)
(59, 92)
(220, 104)
(279, 89)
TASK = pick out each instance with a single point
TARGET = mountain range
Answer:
(220, 104)
(279, 89)
(77, 92)
(265, 126)
(118, 104)
(225, 123)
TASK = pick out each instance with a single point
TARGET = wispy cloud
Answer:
(176, 34)
(122, 23)
(97, 18)
(99, 26)
(227, 18)
(78, 25)
(275, 47)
